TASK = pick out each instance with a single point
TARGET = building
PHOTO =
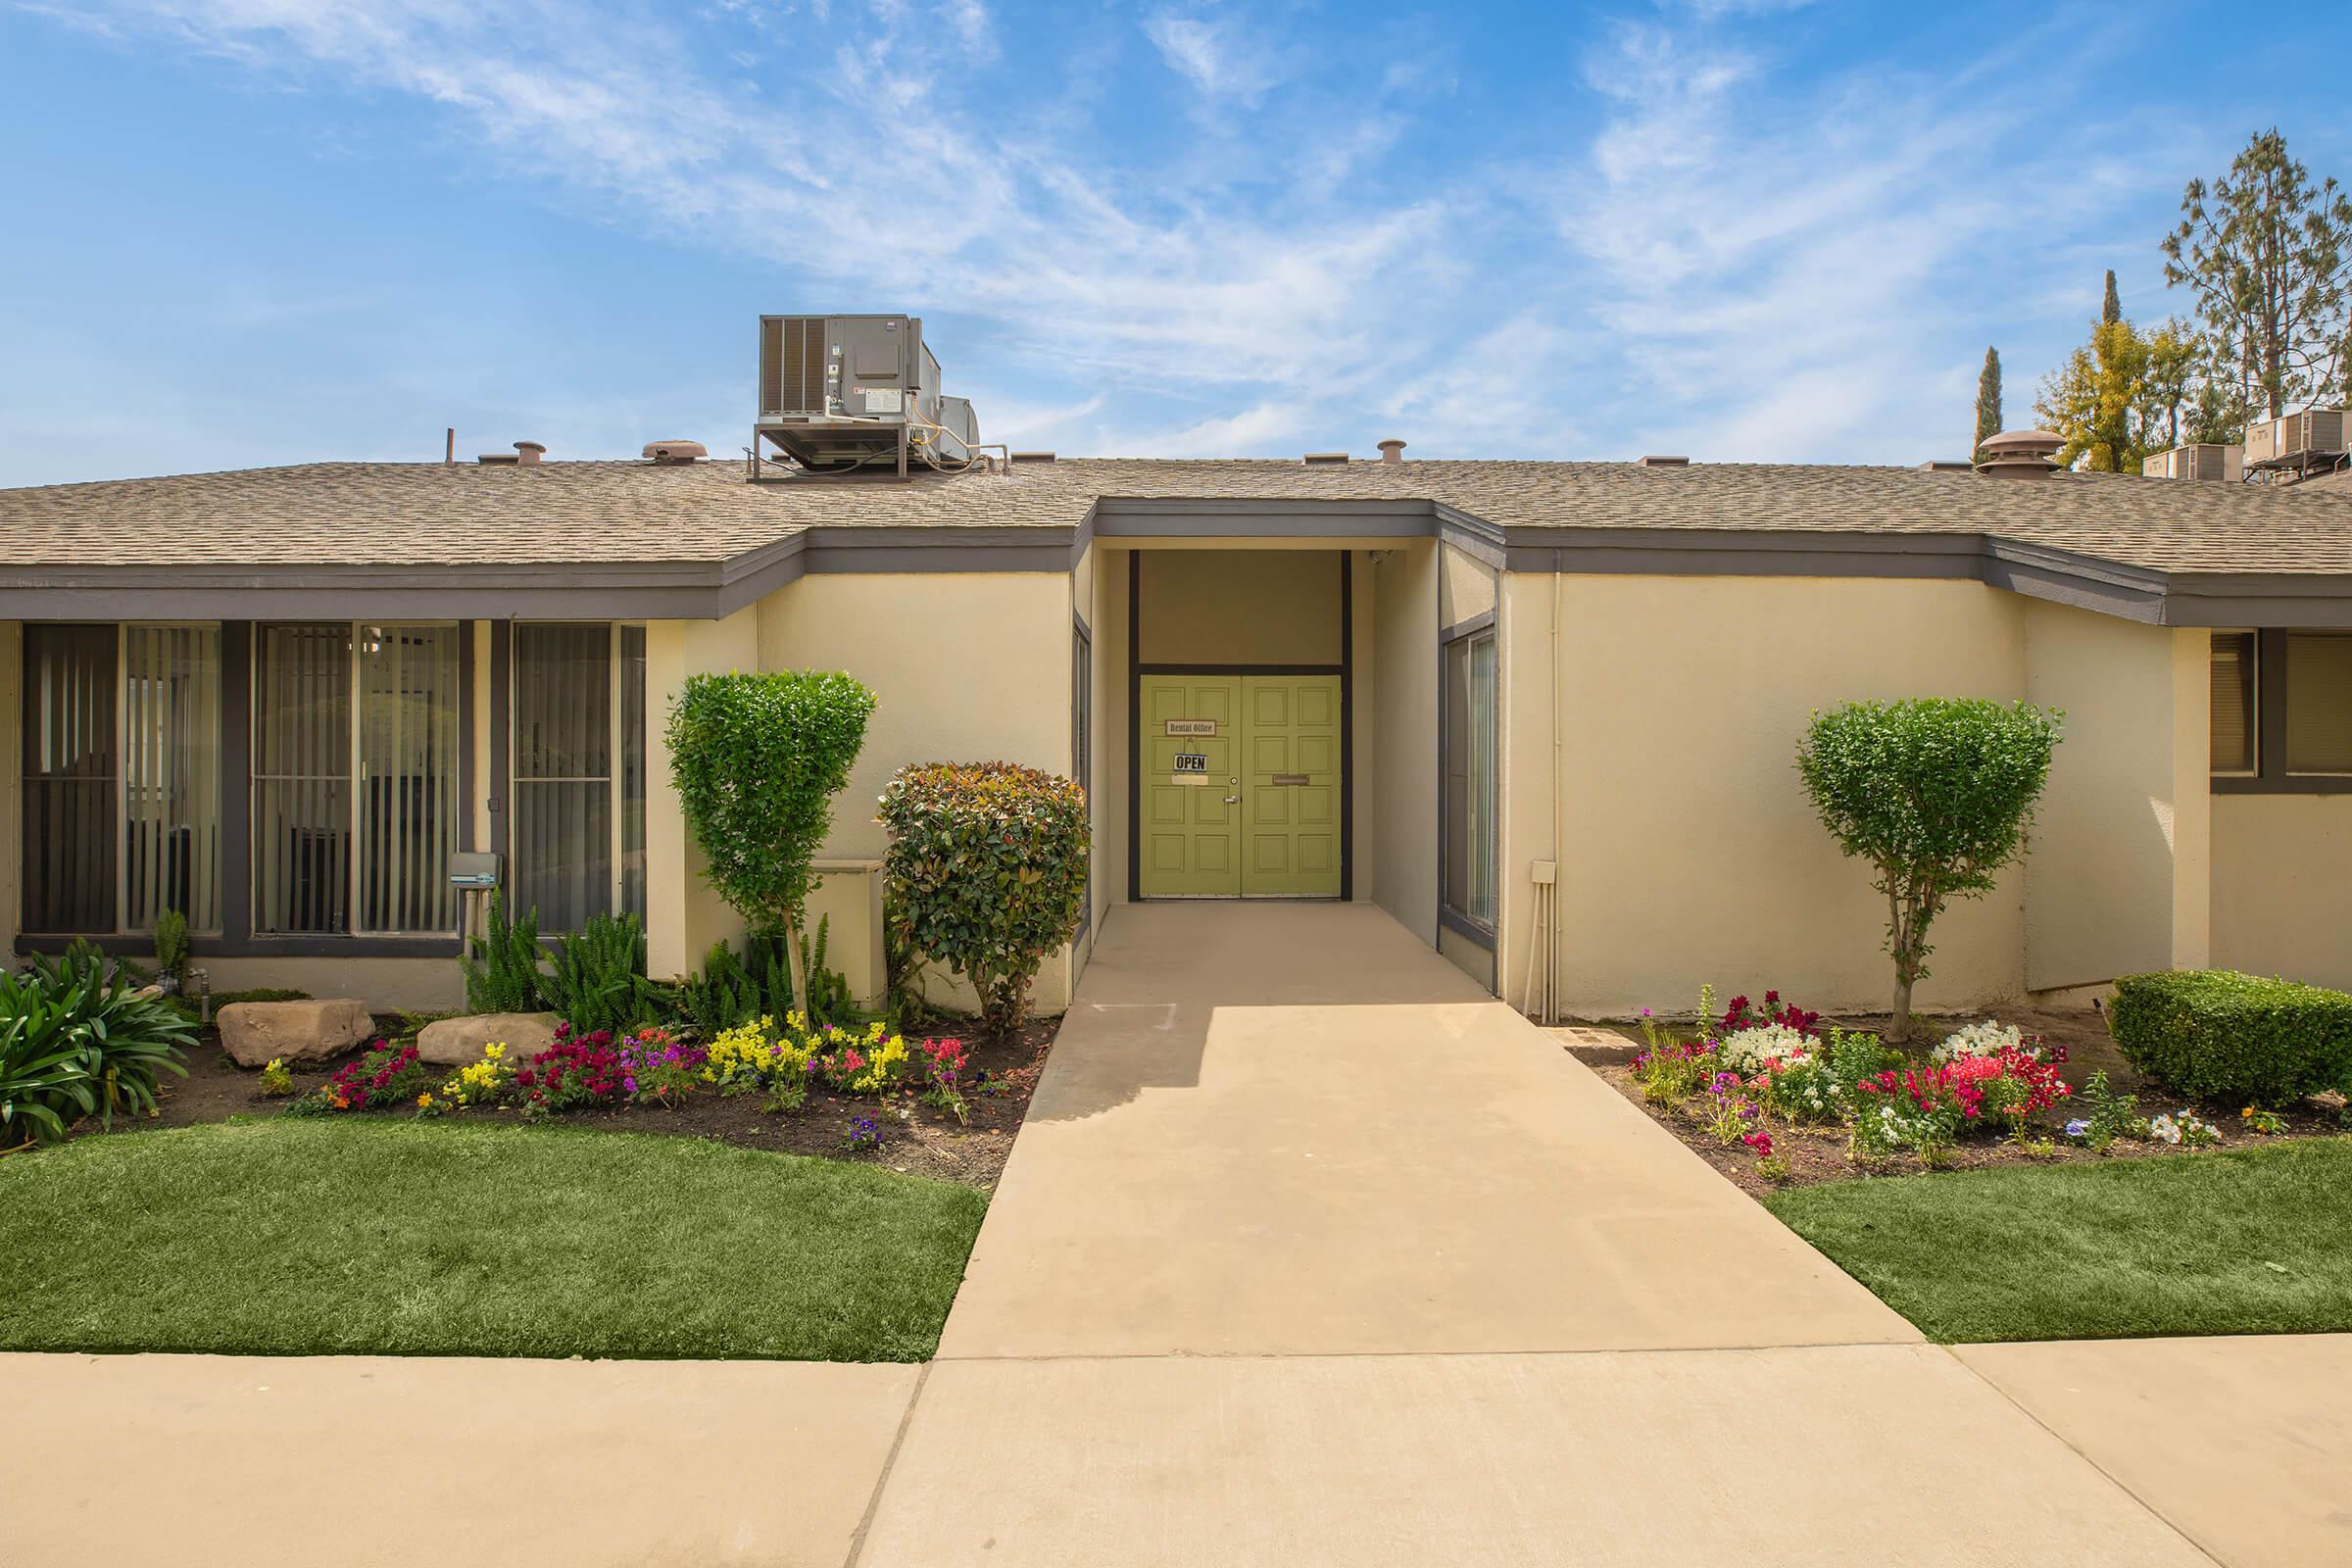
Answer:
(280, 699)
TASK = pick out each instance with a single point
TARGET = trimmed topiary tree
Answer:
(1937, 794)
(987, 872)
(756, 760)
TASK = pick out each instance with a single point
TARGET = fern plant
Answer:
(502, 970)
(171, 947)
(828, 989)
(596, 979)
(732, 991)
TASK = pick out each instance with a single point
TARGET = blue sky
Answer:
(253, 232)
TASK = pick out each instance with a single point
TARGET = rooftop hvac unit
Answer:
(845, 392)
(2204, 460)
(2295, 440)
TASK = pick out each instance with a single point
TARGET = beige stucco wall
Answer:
(2282, 886)
(1401, 756)
(1467, 587)
(964, 667)
(2117, 880)
(1689, 851)
(1235, 607)
(1109, 626)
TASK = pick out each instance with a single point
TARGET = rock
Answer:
(456, 1041)
(255, 1032)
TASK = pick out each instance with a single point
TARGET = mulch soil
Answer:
(1817, 1153)
(917, 1140)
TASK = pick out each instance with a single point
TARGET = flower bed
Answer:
(1773, 1095)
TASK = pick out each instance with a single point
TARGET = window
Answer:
(356, 731)
(2233, 702)
(579, 710)
(70, 778)
(2319, 702)
(1467, 849)
(122, 777)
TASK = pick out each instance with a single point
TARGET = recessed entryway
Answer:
(1242, 786)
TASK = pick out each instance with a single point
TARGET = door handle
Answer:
(1233, 799)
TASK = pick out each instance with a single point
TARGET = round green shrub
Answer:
(987, 872)
(2215, 1033)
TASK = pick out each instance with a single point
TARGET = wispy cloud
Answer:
(1695, 243)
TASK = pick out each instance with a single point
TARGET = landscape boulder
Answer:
(456, 1041)
(254, 1033)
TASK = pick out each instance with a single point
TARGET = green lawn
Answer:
(424, 1237)
(2251, 1240)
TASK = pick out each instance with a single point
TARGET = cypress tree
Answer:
(1988, 404)
(2113, 311)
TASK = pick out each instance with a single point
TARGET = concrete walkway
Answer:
(1309, 1252)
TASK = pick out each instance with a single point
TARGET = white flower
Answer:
(1747, 1051)
(2164, 1129)
(1989, 1038)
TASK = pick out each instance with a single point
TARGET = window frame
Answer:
(1480, 628)
(2271, 776)
(616, 774)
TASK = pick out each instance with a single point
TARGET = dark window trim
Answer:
(1450, 917)
(263, 947)
(2270, 728)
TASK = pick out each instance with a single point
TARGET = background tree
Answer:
(2264, 252)
(2171, 380)
(1988, 404)
(2111, 309)
(2098, 399)
(756, 760)
(1937, 794)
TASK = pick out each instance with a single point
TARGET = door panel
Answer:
(1291, 792)
(1191, 830)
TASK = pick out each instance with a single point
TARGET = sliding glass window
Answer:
(579, 715)
(356, 778)
(122, 777)
(1467, 805)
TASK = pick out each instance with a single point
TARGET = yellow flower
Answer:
(425, 1099)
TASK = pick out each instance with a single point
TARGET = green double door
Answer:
(1240, 788)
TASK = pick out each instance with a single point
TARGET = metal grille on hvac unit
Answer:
(792, 365)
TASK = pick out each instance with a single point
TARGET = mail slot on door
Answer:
(1290, 778)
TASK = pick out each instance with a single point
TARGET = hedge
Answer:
(2216, 1034)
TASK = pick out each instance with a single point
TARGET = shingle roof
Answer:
(392, 513)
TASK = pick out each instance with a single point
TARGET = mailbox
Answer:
(474, 869)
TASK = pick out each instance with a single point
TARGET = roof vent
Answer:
(499, 460)
(1031, 456)
(1324, 456)
(670, 454)
(2020, 455)
(1392, 451)
(1665, 462)
(1945, 466)
(528, 453)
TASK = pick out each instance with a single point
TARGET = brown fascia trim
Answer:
(707, 590)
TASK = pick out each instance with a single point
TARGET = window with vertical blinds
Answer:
(2319, 702)
(1468, 806)
(356, 756)
(563, 796)
(2233, 719)
(71, 772)
(409, 806)
(632, 770)
(302, 780)
(172, 775)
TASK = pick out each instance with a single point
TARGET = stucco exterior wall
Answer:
(1403, 754)
(2282, 886)
(1689, 850)
(966, 667)
(1111, 782)
(1241, 607)
(2117, 880)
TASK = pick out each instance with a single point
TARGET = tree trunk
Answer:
(1898, 1032)
(799, 971)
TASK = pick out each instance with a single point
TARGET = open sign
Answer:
(1190, 763)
